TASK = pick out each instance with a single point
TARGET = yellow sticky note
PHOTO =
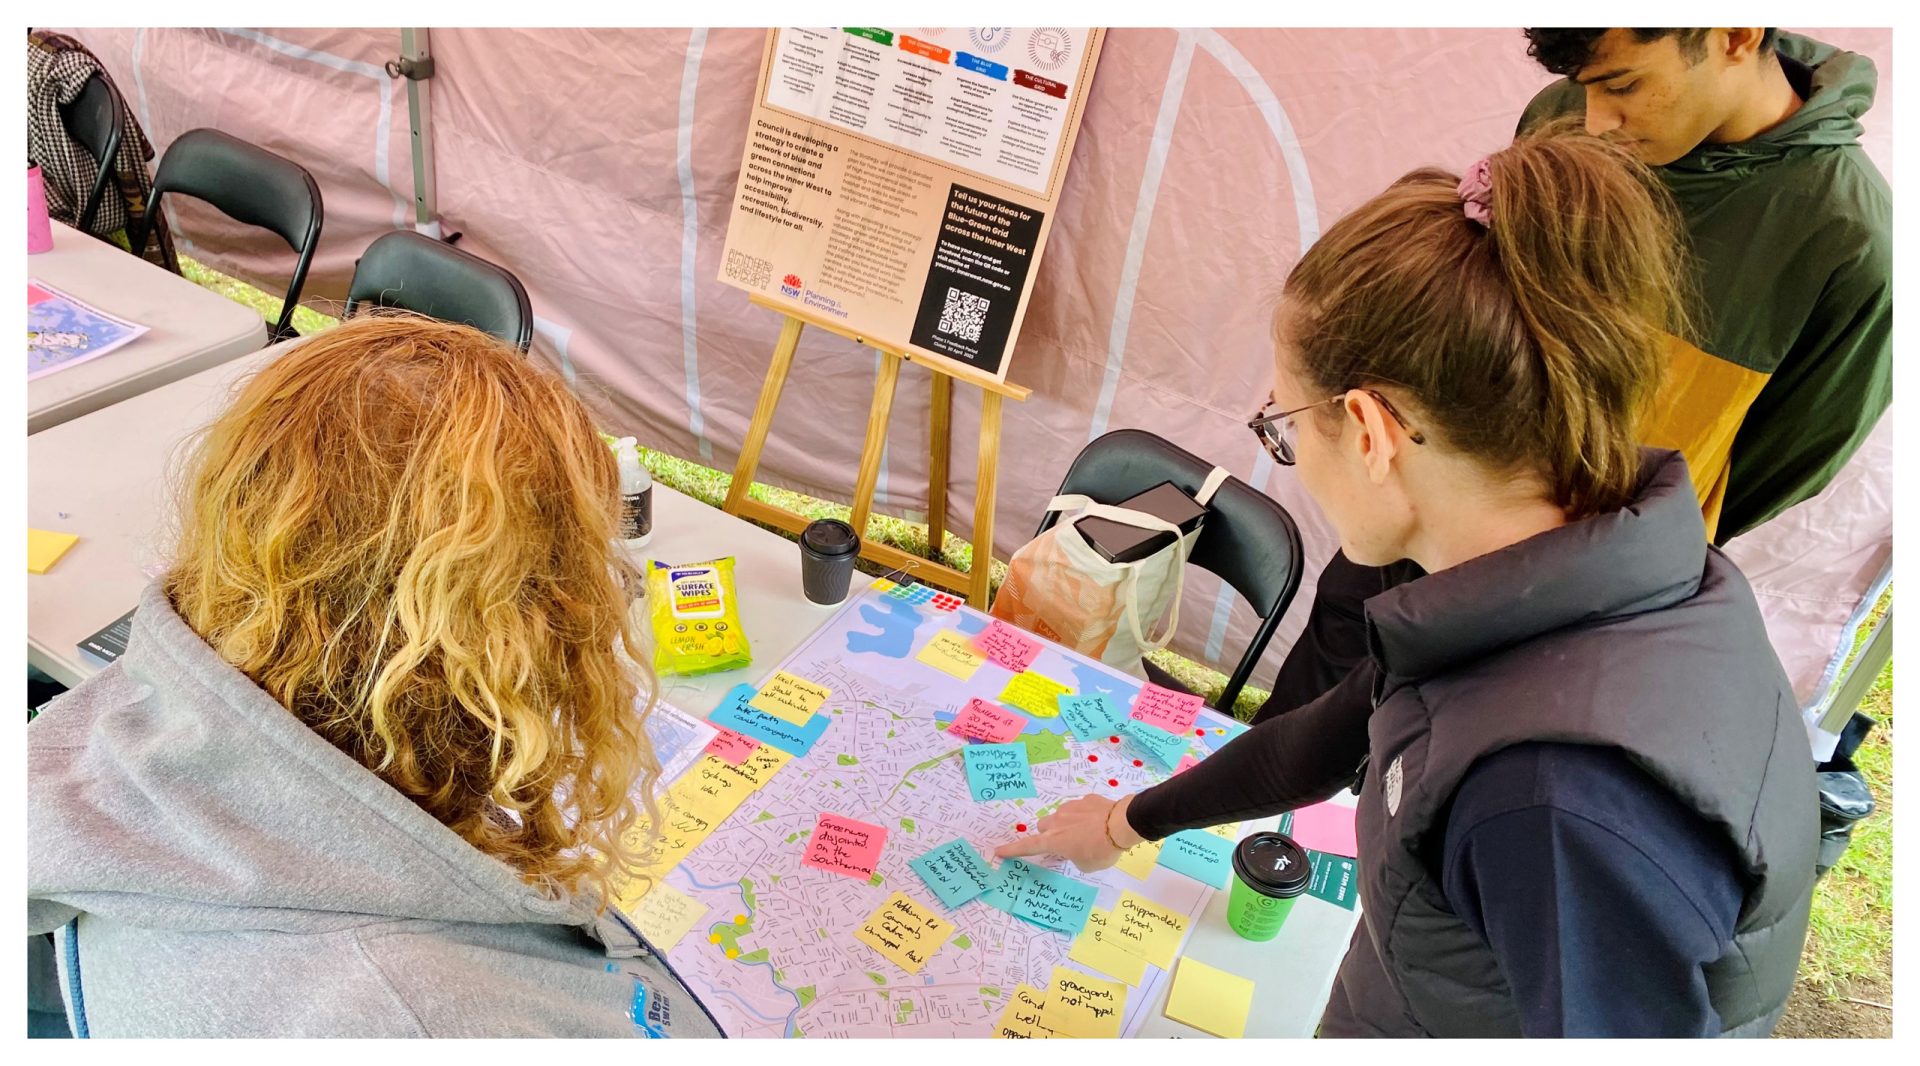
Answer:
(1036, 694)
(45, 549)
(1021, 1018)
(664, 914)
(789, 698)
(713, 788)
(1230, 831)
(683, 827)
(1084, 1006)
(1138, 861)
(755, 769)
(1211, 1000)
(1150, 930)
(1096, 948)
(950, 653)
(905, 931)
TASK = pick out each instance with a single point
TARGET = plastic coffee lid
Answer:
(830, 536)
(1272, 864)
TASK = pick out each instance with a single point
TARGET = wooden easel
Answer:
(973, 583)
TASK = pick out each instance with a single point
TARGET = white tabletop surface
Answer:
(106, 477)
(188, 328)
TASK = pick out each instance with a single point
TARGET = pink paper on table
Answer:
(1187, 762)
(845, 846)
(731, 746)
(990, 722)
(1166, 709)
(1007, 646)
(1326, 827)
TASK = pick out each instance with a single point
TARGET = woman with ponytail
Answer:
(1585, 805)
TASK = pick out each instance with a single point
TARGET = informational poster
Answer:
(62, 331)
(900, 183)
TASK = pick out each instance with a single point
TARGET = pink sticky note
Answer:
(1007, 646)
(1166, 709)
(1326, 827)
(1187, 762)
(990, 722)
(36, 294)
(845, 846)
(731, 746)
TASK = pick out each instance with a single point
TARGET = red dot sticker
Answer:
(1020, 828)
(1093, 758)
(1115, 740)
(1199, 732)
(1137, 762)
(1113, 783)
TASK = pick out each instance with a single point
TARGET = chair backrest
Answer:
(414, 272)
(92, 119)
(1249, 541)
(248, 184)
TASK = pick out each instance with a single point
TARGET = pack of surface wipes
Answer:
(696, 618)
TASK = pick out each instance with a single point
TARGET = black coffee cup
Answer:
(828, 548)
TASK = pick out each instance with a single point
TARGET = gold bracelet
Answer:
(1106, 826)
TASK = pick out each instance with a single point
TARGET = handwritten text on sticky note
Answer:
(1007, 646)
(1166, 709)
(793, 699)
(1036, 694)
(731, 746)
(950, 653)
(845, 846)
(998, 772)
(954, 871)
(980, 720)
(906, 932)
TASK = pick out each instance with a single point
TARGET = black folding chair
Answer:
(92, 119)
(248, 184)
(1249, 541)
(416, 273)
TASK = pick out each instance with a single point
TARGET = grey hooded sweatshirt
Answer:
(214, 868)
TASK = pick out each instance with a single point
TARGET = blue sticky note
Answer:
(1044, 897)
(954, 871)
(795, 740)
(1200, 855)
(1092, 717)
(998, 772)
(1009, 883)
(1162, 745)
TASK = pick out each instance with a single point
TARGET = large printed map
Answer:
(775, 954)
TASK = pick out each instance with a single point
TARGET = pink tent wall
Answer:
(599, 165)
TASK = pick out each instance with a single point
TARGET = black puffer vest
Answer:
(1624, 630)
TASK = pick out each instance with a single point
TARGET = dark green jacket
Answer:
(1793, 236)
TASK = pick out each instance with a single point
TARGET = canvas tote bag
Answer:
(1059, 587)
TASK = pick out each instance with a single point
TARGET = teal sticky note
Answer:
(1335, 878)
(998, 772)
(1009, 884)
(954, 871)
(1200, 855)
(1044, 897)
(1162, 745)
(1092, 717)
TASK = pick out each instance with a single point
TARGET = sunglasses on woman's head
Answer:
(1278, 432)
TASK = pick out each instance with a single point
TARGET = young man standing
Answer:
(1757, 135)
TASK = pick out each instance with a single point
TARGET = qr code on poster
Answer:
(749, 270)
(964, 315)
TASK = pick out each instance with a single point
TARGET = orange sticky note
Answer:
(45, 549)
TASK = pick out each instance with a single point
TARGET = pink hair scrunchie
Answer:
(1476, 193)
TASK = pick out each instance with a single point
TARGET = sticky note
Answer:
(1150, 930)
(731, 746)
(1165, 747)
(45, 549)
(1211, 1000)
(906, 932)
(1084, 1006)
(998, 772)
(736, 712)
(1007, 646)
(1187, 762)
(790, 699)
(1335, 879)
(754, 770)
(664, 914)
(1021, 1018)
(1092, 717)
(1230, 831)
(954, 871)
(1036, 694)
(1137, 861)
(845, 846)
(681, 829)
(713, 788)
(980, 720)
(1200, 855)
(1166, 709)
(1094, 948)
(1326, 827)
(1043, 896)
(951, 654)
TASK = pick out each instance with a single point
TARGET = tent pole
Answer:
(416, 61)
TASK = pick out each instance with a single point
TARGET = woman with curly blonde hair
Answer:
(373, 761)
